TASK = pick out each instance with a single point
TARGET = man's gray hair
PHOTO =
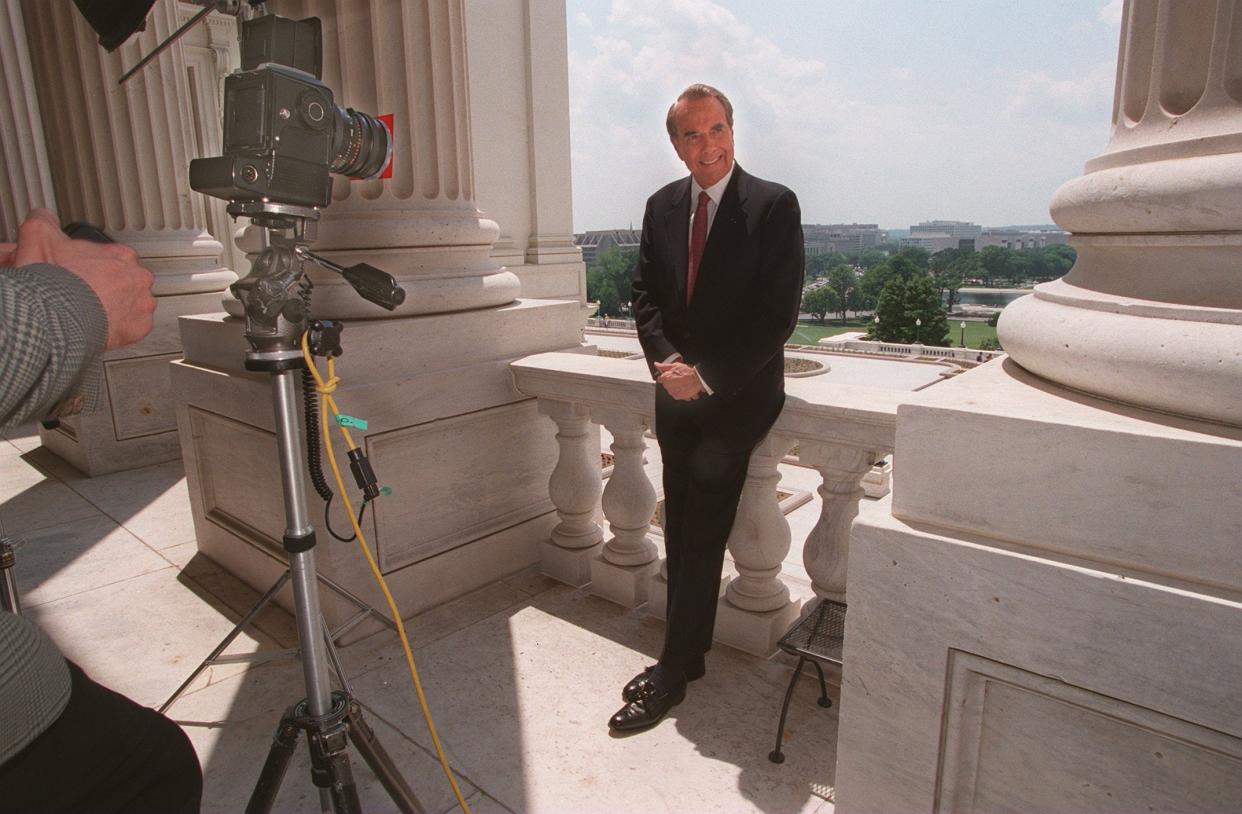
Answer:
(697, 91)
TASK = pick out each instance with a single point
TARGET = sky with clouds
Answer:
(874, 111)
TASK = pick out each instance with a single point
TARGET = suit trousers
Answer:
(704, 472)
(104, 753)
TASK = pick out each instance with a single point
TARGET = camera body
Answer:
(284, 135)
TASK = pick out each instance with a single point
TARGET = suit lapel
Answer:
(728, 230)
(677, 226)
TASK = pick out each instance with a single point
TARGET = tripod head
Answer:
(276, 292)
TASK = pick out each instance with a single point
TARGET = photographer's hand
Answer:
(112, 270)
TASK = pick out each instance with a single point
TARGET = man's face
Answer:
(704, 139)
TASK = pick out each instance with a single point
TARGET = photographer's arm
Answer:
(62, 303)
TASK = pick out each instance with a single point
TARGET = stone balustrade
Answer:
(913, 351)
(841, 431)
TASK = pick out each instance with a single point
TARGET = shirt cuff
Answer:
(706, 387)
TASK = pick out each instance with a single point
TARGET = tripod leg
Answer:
(373, 752)
(227, 640)
(330, 767)
(285, 739)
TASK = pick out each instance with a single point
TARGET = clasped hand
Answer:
(112, 270)
(680, 380)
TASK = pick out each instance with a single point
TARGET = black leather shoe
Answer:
(648, 709)
(630, 691)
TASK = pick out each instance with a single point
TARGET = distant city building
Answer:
(1021, 238)
(849, 238)
(594, 242)
(935, 241)
(950, 228)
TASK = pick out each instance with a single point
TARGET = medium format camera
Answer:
(283, 133)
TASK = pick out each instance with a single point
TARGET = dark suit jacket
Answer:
(746, 299)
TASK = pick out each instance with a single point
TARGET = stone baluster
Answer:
(827, 546)
(574, 488)
(760, 537)
(756, 609)
(25, 179)
(623, 571)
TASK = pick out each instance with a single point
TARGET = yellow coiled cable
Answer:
(326, 389)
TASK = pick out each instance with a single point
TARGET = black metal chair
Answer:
(816, 637)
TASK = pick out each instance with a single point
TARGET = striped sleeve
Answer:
(53, 331)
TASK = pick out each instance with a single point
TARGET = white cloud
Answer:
(994, 152)
(1061, 98)
(1111, 12)
(583, 20)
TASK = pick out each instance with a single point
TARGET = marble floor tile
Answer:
(143, 636)
(522, 699)
(78, 556)
(152, 502)
(46, 503)
(231, 723)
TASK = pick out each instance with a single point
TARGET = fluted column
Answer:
(1151, 314)
(826, 552)
(760, 537)
(574, 488)
(119, 153)
(25, 177)
(622, 573)
(422, 225)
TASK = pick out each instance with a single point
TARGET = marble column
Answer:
(118, 157)
(422, 225)
(25, 176)
(469, 459)
(551, 217)
(756, 609)
(1151, 314)
(622, 572)
(1066, 633)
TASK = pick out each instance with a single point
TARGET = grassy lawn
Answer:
(808, 333)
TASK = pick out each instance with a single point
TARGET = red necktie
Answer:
(698, 239)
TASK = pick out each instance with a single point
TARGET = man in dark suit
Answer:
(716, 293)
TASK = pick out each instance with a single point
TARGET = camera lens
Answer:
(361, 145)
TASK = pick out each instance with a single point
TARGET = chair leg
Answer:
(824, 700)
(776, 756)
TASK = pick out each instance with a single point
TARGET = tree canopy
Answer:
(819, 302)
(608, 279)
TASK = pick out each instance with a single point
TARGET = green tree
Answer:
(608, 279)
(994, 262)
(890, 311)
(872, 257)
(909, 311)
(917, 256)
(949, 280)
(844, 283)
(819, 302)
(819, 265)
(922, 303)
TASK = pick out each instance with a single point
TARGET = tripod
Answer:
(276, 318)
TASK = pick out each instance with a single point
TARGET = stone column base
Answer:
(657, 594)
(136, 423)
(626, 585)
(751, 632)
(1067, 633)
(571, 566)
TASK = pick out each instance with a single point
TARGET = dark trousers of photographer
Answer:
(104, 754)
